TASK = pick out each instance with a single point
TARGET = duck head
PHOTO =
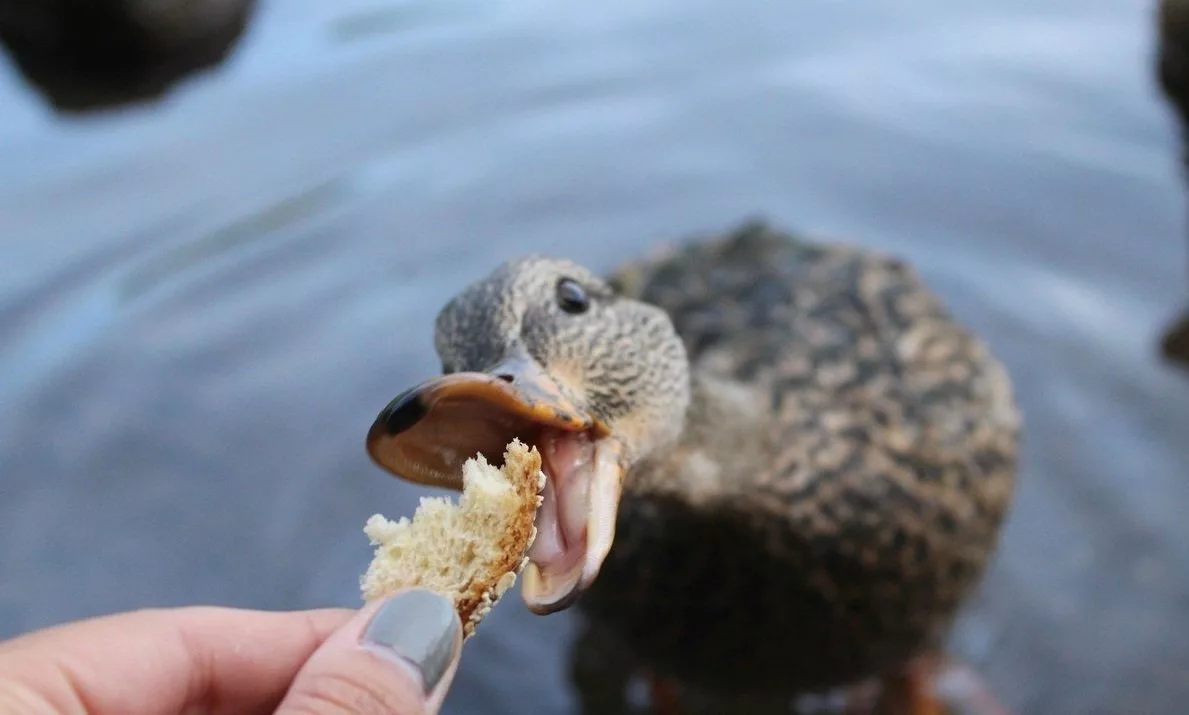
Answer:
(545, 351)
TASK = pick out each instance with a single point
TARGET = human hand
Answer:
(397, 656)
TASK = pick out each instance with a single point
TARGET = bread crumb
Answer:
(470, 552)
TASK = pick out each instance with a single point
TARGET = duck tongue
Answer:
(567, 460)
(576, 520)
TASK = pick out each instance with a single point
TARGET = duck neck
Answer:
(724, 430)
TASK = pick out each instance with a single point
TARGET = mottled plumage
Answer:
(840, 482)
(815, 458)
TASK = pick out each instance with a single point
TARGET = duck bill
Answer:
(426, 433)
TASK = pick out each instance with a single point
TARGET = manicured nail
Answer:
(420, 627)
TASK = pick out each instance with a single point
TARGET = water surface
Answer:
(205, 302)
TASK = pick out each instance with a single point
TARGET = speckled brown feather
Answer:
(844, 469)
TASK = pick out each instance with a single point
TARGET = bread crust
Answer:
(471, 551)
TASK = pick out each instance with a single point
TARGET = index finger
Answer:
(163, 662)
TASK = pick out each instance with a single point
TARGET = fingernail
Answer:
(420, 627)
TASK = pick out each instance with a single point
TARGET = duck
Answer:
(775, 466)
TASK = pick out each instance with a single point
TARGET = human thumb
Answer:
(395, 657)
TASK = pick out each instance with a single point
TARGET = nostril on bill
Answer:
(506, 377)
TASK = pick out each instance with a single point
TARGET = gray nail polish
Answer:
(419, 626)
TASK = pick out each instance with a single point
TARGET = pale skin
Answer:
(216, 661)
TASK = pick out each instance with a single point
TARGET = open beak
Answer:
(426, 434)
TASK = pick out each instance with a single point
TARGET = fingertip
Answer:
(420, 629)
(397, 655)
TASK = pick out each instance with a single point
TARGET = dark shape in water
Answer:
(85, 55)
(1172, 71)
(1175, 345)
(1172, 55)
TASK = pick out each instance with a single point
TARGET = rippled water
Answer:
(205, 302)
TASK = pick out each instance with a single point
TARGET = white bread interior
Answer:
(470, 551)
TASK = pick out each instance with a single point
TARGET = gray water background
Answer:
(204, 302)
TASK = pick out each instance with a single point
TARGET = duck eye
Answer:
(571, 296)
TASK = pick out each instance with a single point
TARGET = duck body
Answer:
(773, 467)
(837, 490)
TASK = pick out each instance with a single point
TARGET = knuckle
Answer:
(16, 698)
(345, 693)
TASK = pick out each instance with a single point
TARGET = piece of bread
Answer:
(470, 552)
